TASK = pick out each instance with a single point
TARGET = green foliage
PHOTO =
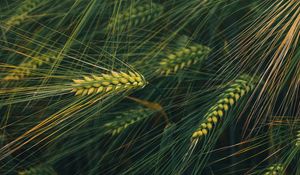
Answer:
(149, 87)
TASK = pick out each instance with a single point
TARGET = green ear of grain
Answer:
(298, 139)
(127, 119)
(274, 169)
(182, 58)
(22, 13)
(136, 16)
(39, 170)
(106, 83)
(239, 88)
(25, 69)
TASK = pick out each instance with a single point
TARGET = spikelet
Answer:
(298, 139)
(182, 58)
(136, 16)
(22, 12)
(39, 170)
(127, 119)
(239, 88)
(25, 69)
(276, 169)
(106, 83)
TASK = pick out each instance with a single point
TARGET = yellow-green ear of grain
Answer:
(182, 58)
(127, 119)
(239, 88)
(298, 139)
(22, 12)
(107, 83)
(26, 68)
(274, 170)
(135, 16)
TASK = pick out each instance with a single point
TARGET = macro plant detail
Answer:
(138, 15)
(182, 58)
(26, 68)
(236, 90)
(127, 119)
(22, 12)
(104, 83)
(274, 169)
(298, 139)
(157, 87)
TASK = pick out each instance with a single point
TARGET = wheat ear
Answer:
(104, 83)
(22, 13)
(239, 88)
(298, 139)
(135, 16)
(39, 170)
(274, 169)
(127, 119)
(25, 69)
(182, 58)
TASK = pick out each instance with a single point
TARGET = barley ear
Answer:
(136, 16)
(274, 169)
(183, 58)
(25, 69)
(108, 83)
(127, 119)
(22, 13)
(239, 88)
(298, 139)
